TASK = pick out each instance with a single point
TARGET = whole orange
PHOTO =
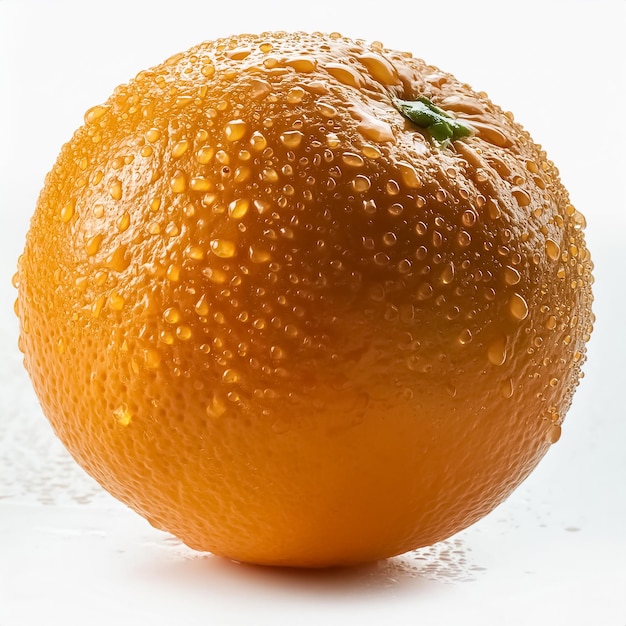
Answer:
(302, 300)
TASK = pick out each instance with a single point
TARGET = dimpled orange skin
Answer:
(281, 322)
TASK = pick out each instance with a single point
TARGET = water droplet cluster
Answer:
(270, 215)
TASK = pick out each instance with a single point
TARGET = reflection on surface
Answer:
(447, 562)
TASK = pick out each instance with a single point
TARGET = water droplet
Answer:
(395, 209)
(259, 88)
(116, 301)
(292, 139)
(259, 323)
(183, 333)
(507, 388)
(392, 188)
(391, 313)
(180, 148)
(379, 68)
(152, 359)
(235, 130)
(344, 74)
(327, 110)
(464, 238)
(531, 166)
(371, 152)
(259, 255)
(196, 253)
(494, 211)
(93, 114)
(424, 291)
(465, 337)
(447, 275)
(361, 183)
(421, 253)
(231, 376)
(404, 266)
(522, 197)
(352, 160)
(496, 353)
(115, 189)
(153, 135)
(122, 415)
(166, 337)
(101, 277)
(171, 315)
(178, 182)
(390, 239)
(217, 407)
(183, 101)
(468, 218)
(295, 95)
(409, 176)
(511, 275)
(553, 250)
(302, 64)
(200, 183)
(208, 69)
(413, 363)
(372, 128)
(258, 141)
(155, 204)
(518, 307)
(205, 154)
(93, 244)
(238, 208)
(242, 174)
(380, 258)
(369, 206)
(276, 352)
(201, 307)
(553, 434)
(377, 292)
(421, 228)
(269, 175)
(291, 331)
(172, 272)
(282, 425)
(223, 248)
(123, 222)
(118, 260)
(215, 275)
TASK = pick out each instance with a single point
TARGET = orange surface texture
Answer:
(283, 322)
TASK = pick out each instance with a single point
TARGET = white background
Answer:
(554, 553)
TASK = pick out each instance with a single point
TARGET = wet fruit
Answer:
(302, 300)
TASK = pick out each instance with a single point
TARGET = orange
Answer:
(301, 300)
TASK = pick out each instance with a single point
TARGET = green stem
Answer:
(442, 127)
